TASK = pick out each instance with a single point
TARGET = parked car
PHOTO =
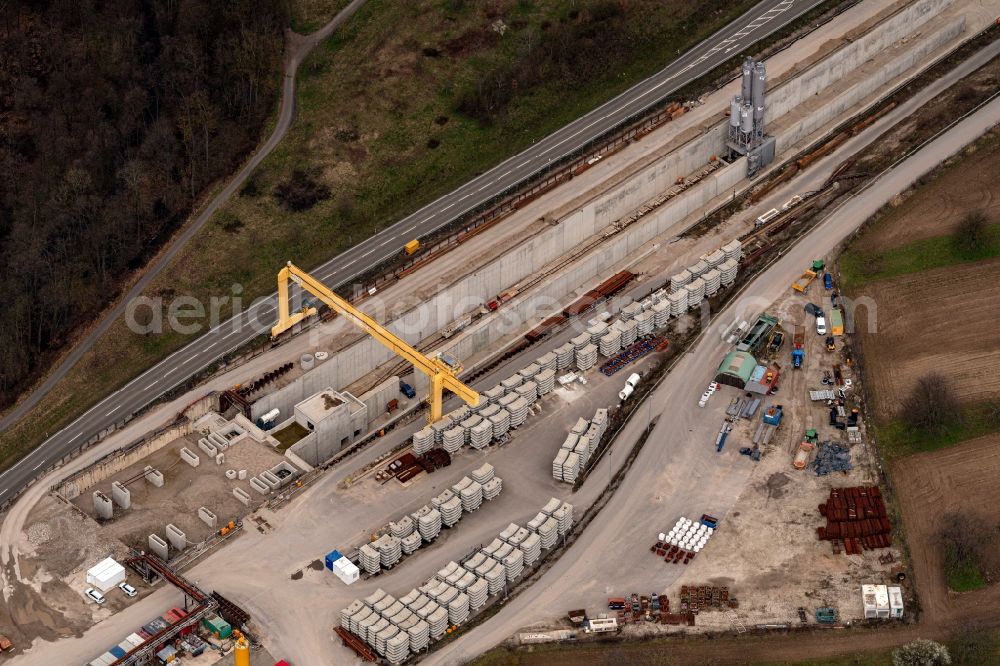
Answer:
(128, 589)
(821, 325)
(94, 595)
(814, 310)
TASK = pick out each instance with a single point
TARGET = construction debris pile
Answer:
(856, 516)
(832, 457)
(397, 627)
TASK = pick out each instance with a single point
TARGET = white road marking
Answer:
(112, 412)
(151, 386)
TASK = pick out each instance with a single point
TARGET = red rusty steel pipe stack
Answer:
(856, 515)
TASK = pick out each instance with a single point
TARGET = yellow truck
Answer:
(411, 247)
(836, 322)
(803, 282)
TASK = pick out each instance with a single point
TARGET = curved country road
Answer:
(297, 48)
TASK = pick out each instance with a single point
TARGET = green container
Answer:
(219, 627)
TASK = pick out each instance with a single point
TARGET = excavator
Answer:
(442, 370)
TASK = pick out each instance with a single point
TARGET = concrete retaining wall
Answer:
(112, 463)
(242, 496)
(190, 457)
(176, 537)
(208, 517)
(121, 495)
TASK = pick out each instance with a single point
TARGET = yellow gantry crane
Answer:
(440, 370)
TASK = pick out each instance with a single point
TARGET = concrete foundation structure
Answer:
(103, 506)
(270, 479)
(159, 547)
(334, 419)
(190, 458)
(207, 447)
(260, 486)
(153, 476)
(242, 496)
(176, 537)
(208, 517)
(121, 495)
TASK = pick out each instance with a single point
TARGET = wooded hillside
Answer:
(114, 116)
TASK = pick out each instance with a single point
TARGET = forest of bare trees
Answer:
(114, 116)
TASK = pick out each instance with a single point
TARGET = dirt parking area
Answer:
(941, 320)
(929, 486)
(185, 489)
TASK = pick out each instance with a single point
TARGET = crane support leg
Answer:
(287, 319)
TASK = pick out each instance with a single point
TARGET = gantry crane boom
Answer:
(441, 374)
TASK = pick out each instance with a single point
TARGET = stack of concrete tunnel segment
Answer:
(364, 356)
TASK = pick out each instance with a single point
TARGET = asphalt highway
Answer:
(765, 18)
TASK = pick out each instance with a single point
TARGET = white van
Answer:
(821, 325)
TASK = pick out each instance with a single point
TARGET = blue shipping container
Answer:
(117, 651)
(332, 557)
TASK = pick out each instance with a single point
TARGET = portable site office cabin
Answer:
(895, 602)
(106, 574)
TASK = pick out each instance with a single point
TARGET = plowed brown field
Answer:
(943, 320)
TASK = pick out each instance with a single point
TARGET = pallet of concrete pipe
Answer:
(580, 341)
(580, 426)
(479, 593)
(507, 533)
(371, 559)
(528, 391)
(461, 484)
(631, 311)
(365, 627)
(444, 594)
(484, 473)
(597, 331)
(357, 606)
(458, 609)
(420, 635)
(678, 302)
(733, 250)
(477, 560)
(472, 497)
(714, 259)
(390, 550)
(513, 564)
(630, 331)
(546, 361)
(546, 381)
(549, 533)
(207, 447)
(728, 271)
(501, 423)
(512, 383)
(459, 414)
(189, 457)
(442, 497)
(220, 442)
(536, 523)
(586, 357)
(661, 313)
(582, 449)
(593, 436)
(492, 488)
(713, 280)
(489, 410)
(453, 439)
(518, 412)
(439, 427)
(469, 423)
(438, 621)
(411, 543)
(532, 548)
(481, 434)
(551, 506)
(375, 597)
(492, 547)
(423, 441)
(564, 517)
(397, 648)
(529, 371)
(610, 344)
(383, 634)
(494, 394)
(698, 269)
(402, 527)
(413, 600)
(428, 523)
(678, 280)
(496, 576)
(451, 511)
(571, 468)
(696, 292)
(564, 356)
(644, 322)
(504, 402)
(465, 580)
(259, 486)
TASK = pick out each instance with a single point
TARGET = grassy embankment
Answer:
(380, 131)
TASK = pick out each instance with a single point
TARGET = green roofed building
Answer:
(736, 369)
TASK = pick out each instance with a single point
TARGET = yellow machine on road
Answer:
(442, 370)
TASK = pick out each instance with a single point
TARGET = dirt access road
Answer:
(676, 398)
